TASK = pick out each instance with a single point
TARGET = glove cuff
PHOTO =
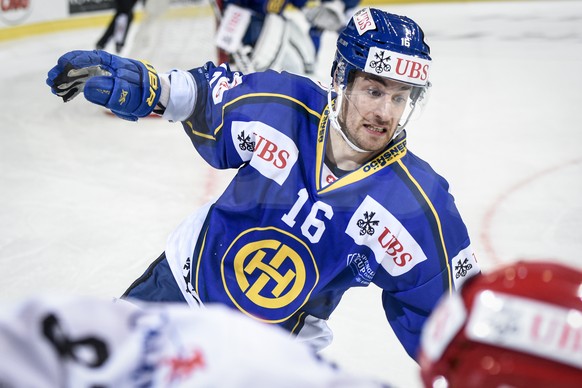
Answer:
(152, 90)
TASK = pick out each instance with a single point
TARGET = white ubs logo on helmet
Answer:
(364, 21)
(398, 66)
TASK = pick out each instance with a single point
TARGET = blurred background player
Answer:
(75, 341)
(326, 197)
(257, 34)
(330, 15)
(119, 25)
(517, 326)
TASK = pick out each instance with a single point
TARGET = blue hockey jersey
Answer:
(287, 237)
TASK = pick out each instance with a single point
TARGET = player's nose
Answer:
(384, 111)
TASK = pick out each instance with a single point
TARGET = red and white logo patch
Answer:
(527, 325)
(364, 21)
(394, 247)
(269, 151)
(400, 67)
(464, 266)
(222, 85)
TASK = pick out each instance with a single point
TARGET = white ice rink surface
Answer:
(87, 200)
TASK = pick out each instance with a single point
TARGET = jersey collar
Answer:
(394, 151)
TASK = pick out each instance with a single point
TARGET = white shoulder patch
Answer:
(269, 151)
(222, 85)
(374, 226)
(464, 266)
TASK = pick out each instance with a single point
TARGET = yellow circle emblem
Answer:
(268, 273)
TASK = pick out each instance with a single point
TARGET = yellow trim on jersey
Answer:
(250, 95)
(283, 96)
(386, 158)
(320, 151)
(436, 216)
(199, 134)
(275, 6)
(298, 322)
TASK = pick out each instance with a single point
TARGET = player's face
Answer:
(372, 109)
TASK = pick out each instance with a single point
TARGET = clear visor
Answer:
(416, 104)
(396, 100)
(408, 102)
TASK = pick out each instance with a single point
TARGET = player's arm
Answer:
(198, 99)
(407, 311)
(133, 89)
(408, 305)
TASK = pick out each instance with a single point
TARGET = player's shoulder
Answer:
(423, 172)
(286, 82)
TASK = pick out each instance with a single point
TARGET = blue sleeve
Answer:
(205, 125)
(409, 303)
(225, 98)
(441, 248)
(407, 311)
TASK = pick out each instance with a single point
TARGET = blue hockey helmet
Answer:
(384, 44)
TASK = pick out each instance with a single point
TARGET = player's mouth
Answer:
(374, 128)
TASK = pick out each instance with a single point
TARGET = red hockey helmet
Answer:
(518, 326)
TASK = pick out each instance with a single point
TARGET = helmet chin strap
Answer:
(333, 118)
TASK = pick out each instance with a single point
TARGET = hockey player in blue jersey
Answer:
(327, 195)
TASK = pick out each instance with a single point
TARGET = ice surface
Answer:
(87, 200)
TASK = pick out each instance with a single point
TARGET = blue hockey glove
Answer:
(130, 88)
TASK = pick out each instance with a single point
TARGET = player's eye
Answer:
(400, 99)
(372, 92)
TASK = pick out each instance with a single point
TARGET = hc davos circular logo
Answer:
(268, 273)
